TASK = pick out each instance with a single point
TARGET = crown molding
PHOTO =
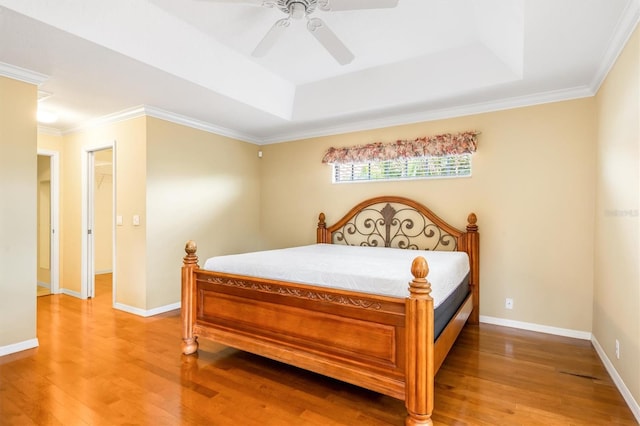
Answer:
(394, 120)
(149, 111)
(200, 125)
(49, 131)
(441, 114)
(116, 117)
(22, 74)
(624, 30)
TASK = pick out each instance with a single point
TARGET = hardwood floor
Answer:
(99, 366)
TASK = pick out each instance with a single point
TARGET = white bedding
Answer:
(377, 270)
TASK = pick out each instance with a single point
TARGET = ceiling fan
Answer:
(298, 9)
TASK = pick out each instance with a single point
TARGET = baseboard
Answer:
(19, 347)
(104, 271)
(70, 293)
(45, 285)
(566, 332)
(147, 313)
(624, 390)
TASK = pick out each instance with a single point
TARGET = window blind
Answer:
(453, 165)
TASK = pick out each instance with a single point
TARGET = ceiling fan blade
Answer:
(330, 41)
(337, 5)
(271, 37)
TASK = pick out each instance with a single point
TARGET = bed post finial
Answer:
(471, 226)
(190, 248)
(420, 368)
(187, 313)
(322, 235)
(420, 270)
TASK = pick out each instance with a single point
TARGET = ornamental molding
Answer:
(22, 74)
(298, 293)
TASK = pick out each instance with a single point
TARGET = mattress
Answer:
(449, 306)
(376, 270)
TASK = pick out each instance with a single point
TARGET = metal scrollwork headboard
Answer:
(392, 222)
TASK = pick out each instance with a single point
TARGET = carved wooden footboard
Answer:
(382, 343)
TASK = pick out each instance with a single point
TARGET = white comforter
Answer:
(385, 271)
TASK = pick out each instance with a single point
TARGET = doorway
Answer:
(47, 226)
(98, 223)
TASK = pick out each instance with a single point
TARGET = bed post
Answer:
(322, 233)
(187, 313)
(473, 249)
(419, 380)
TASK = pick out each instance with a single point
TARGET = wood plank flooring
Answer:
(99, 366)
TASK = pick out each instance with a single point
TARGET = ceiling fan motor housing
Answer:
(297, 9)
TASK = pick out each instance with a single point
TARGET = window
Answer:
(444, 155)
(453, 165)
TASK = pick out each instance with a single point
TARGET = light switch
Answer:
(136, 220)
(119, 220)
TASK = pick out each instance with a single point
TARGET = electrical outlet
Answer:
(508, 303)
(617, 349)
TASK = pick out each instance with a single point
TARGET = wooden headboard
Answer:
(398, 222)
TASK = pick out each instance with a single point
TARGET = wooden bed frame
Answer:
(381, 343)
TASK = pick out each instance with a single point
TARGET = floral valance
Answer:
(428, 146)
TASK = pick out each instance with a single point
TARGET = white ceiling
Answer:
(190, 61)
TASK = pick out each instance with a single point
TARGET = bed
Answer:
(385, 342)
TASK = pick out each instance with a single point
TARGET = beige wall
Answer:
(616, 304)
(50, 142)
(130, 155)
(200, 186)
(18, 186)
(532, 189)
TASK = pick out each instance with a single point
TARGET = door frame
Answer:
(54, 237)
(87, 288)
